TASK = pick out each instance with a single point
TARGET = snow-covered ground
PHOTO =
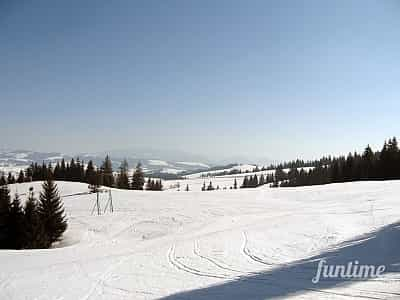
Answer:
(229, 244)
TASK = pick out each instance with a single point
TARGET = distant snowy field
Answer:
(229, 244)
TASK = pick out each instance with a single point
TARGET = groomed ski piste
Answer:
(260, 243)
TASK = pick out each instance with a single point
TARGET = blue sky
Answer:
(277, 79)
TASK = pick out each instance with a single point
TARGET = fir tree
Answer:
(107, 172)
(368, 164)
(123, 179)
(3, 180)
(262, 180)
(5, 206)
(16, 224)
(63, 170)
(254, 182)
(34, 230)
(138, 178)
(245, 183)
(29, 174)
(11, 178)
(210, 187)
(21, 177)
(159, 185)
(90, 175)
(149, 184)
(51, 212)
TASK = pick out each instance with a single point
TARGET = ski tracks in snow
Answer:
(227, 270)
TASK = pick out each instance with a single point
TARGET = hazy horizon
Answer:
(277, 80)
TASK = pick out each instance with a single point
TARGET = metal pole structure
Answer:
(97, 203)
(111, 202)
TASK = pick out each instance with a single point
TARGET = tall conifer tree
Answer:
(51, 212)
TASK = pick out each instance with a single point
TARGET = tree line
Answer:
(369, 165)
(254, 181)
(37, 224)
(77, 171)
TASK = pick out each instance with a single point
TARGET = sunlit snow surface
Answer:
(229, 244)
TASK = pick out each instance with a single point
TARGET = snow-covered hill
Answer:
(229, 244)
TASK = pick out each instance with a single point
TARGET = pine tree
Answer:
(16, 224)
(235, 184)
(51, 212)
(3, 180)
(21, 177)
(34, 230)
(368, 164)
(63, 170)
(43, 172)
(29, 174)
(82, 172)
(262, 180)
(90, 175)
(149, 184)
(107, 172)
(5, 206)
(138, 178)
(11, 178)
(123, 179)
(159, 185)
(245, 183)
(254, 181)
(56, 172)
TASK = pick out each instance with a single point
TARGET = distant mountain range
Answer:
(15, 160)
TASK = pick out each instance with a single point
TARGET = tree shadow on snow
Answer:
(381, 247)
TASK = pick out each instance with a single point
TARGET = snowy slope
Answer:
(234, 244)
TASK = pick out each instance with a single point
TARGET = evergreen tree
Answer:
(254, 181)
(63, 170)
(210, 187)
(187, 188)
(245, 183)
(11, 178)
(43, 172)
(235, 184)
(34, 230)
(368, 164)
(159, 185)
(29, 174)
(90, 175)
(21, 177)
(51, 212)
(16, 224)
(56, 172)
(5, 205)
(107, 172)
(149, 184)
(138, 178)
(72, 176)
(280, 175)
(123, 179)
(262, 180)
(82, 172)
(3, 180)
